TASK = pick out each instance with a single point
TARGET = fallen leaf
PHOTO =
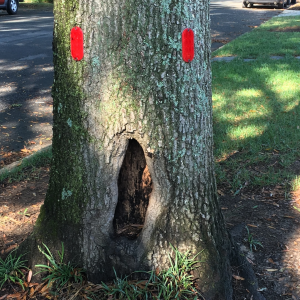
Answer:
(271, 260)
(29, 276)
(237, 277)
(31, 292)
(17, 295)
(271, 270)
(40, 286)
(252, 225)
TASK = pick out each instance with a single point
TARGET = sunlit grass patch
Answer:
(256, 120)
(295, 183)
(243, 132)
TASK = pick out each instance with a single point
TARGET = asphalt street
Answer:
(26, 69)
(26, 76)
(229, 19)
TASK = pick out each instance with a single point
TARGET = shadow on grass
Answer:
(256, 114)
(257, 134)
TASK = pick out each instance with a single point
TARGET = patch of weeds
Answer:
(295, 184)
(251, 241)
(59, 273)
(24, 213)
(176, 282)
(298, 209)
(27, 165)
(124, 289)
(11, 269)
(16, 105)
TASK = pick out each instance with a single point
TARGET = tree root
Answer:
(239, 261)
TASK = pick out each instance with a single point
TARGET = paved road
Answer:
(26, 71)
(229, 19)
(26, 75)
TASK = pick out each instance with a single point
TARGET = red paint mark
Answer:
(76, 37)
(188, 51)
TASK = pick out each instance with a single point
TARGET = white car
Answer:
(278, 3)
(11, 6)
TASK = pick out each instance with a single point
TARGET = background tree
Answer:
(133, 159)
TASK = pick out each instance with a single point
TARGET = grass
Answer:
(37, 4)
(251, 241)
(38, 1)
(58, 272)
(256, 111)
(28, 165)
(11, 269)
(262, 41)
(175, 283)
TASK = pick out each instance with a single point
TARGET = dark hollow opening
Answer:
(135, 187)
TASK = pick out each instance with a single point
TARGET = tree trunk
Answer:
(133, 167)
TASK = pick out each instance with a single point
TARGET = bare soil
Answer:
(20, 204)
(270, 214)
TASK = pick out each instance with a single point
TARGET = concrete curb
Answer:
(289, 13)
(16, 164)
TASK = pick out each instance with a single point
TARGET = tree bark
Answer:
(132, 89)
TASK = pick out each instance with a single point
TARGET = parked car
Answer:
(11, 6)
(279, 3)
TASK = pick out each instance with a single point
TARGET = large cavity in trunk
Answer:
(135, 186)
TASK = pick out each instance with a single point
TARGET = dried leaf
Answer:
(31, 292)
(237, 277)
(40, 286)
(17, 295)
(3, 297)
(44, 289)
(29, 276)
(252, 225)
(271, 270)
(271, 260)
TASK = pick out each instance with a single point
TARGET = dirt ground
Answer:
(20, 204)
(270, 214)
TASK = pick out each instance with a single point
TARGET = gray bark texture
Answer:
(133, 96)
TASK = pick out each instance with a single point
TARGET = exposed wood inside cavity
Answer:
(135, 187)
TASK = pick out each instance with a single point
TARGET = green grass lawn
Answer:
(264, 41)
(256, 109)
(37, 4)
